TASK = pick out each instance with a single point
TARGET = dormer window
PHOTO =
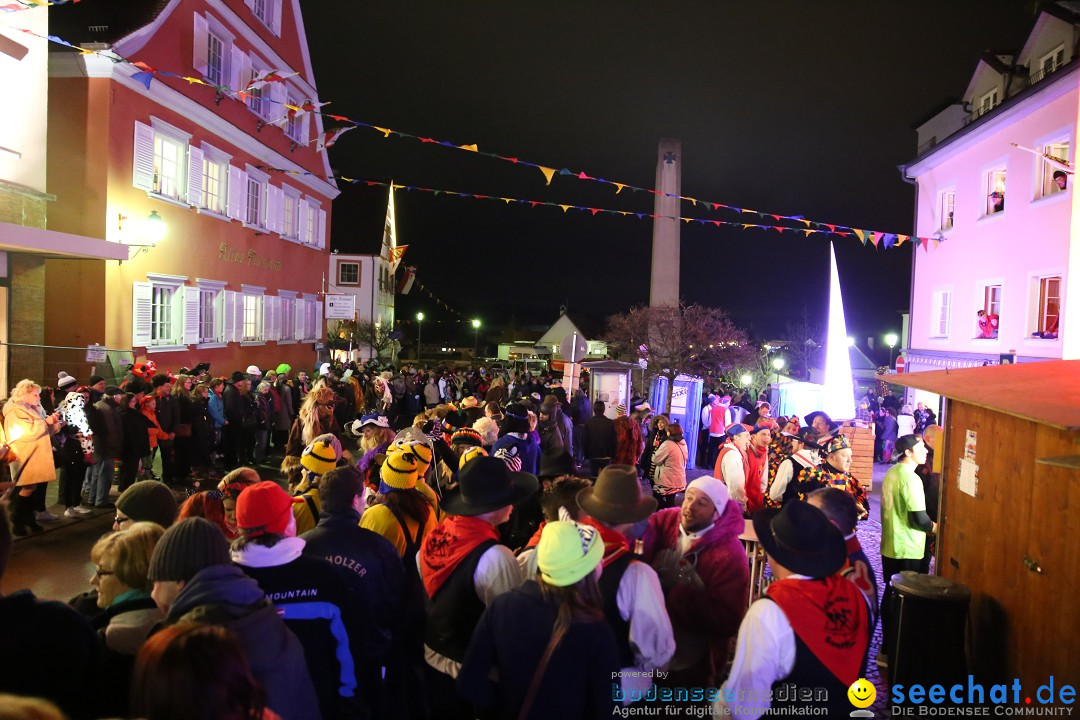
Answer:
(989, 101)
(1052, 61)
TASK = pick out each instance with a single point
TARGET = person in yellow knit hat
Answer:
(402, 513)
(319, 458)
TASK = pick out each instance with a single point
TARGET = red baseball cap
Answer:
(264, 509)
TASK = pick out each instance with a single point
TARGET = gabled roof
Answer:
(102, 22)
(999, 63)
(358, 220)
(1044, 392)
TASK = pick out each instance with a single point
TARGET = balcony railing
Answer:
(979, 112)
(932, 142)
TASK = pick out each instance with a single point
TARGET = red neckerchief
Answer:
(755, 460)
(448, 544)
(858, 572)
(615, 543)
(830, 617)
(535, 539)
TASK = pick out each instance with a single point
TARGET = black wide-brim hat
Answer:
(556, 462)
(515, 420)
(486, 484)
(802, 539)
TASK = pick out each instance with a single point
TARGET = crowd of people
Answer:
(436, 543)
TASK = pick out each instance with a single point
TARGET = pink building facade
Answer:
(994, 183)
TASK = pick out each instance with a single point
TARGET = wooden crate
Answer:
(862, 452)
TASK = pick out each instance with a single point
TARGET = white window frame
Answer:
(253, 299)
(256, 180)
(216, 73)
(1052, 58)
(312, 223)
(989, 101)
(1045, 175)
(166, 133)
(214, 289)
(342, 264)
(995, 180)
(295, 128)
(943, 301)
(1038, 316)
(947, 209)
(268, 12)
(309, 317)
(144, 313)
(980, 302)
(211, 156)
(289, 304)
(290, 220)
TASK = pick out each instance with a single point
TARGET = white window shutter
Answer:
(302, 214)
(273, 208)
(191, 315)
(195, 176)
(299, 314)
(228, 329)
(271, 317)
(142, 313)
(318, 321)
(237, 79)
(237, 192)
(143, 164)
(278, 98)
(238, 318)
(320, 229)
(305, 135)
(201, 53)
(276, 24)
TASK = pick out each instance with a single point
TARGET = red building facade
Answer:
(237, 277)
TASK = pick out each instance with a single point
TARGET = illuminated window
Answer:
(1050, 185)
(948, 208)
(161, 319)
(1049, 304)
(253, 318)
(995, 191)
(169, 157)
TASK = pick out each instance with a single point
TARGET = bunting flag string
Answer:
(327, 139)
(19, 5)
(883, 240)
(435, 298)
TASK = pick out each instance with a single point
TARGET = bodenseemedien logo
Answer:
(862, 694)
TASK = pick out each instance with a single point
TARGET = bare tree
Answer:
(690, 339)
(377, 336)
(805, 342)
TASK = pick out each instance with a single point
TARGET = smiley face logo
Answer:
(862, 693)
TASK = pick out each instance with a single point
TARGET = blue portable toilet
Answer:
(685, 407)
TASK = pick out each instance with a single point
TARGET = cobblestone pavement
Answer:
(869, 533)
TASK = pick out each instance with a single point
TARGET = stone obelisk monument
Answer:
(664, 288)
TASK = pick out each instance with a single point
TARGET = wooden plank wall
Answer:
(862, 453)
(1024, 624)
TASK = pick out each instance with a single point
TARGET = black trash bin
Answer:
(930, 620)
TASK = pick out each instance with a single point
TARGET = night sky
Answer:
(797, 108)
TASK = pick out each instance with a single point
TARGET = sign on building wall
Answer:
(340, 307)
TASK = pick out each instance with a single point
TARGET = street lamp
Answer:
(778, 365)
(891, 339)
(419, 333)
(475, 334)
(746, 379)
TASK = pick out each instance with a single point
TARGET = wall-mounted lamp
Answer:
(146, 233)
(143, 234)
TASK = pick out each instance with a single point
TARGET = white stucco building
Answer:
(1010, 239)
(362, 258)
